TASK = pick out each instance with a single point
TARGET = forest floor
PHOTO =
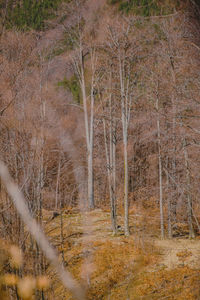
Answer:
(141, 266)
(175, 251)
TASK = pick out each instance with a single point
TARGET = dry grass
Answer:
(176, 284)
(177, 252)
(115, 267)
(138, 267)
(111, 259)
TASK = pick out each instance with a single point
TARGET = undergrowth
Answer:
(72, 85)
(146, 8)
(176, 284)
(20, 285)
(118, 267)
(27, 14)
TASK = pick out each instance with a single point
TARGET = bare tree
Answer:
(125, 52)
(83, 50)
(110, 140)
(79, 68)
(34, 228)
(188, 191)
(160, 165)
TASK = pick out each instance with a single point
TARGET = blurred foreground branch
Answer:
(20, 204)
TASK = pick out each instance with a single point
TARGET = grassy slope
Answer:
(141, 266)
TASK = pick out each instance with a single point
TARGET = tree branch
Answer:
(34, 228)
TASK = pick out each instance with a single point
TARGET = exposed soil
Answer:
(88, 237)
(176, 252)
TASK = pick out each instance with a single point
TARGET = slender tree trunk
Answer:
(168, 203)
(110, 151)
(41, 169)
(189, 199)
(90, 180)
(126, 203)
(89, 147)
(89, 126)
(173, 98)
(57, 184)
(125, 142)
(113, 172)
(174, 194)
(160, 173)
(61, 233)
(111, 178)
(161, 192)
(125, 116)
(91, 144)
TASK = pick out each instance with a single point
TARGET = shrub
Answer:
(28, 14)
(145, 8)
(73, 86)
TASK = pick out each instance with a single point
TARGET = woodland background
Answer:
(100, 110)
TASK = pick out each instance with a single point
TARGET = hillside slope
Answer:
(118, 267)
(134, 61)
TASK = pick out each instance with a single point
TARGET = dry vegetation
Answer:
(138, 267)
(131, 75)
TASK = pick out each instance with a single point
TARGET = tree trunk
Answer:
(168, 203)
(160, 173)
(125, 116)
(189, 199)
(174, 194)
(90, 180)
(89, 126)
(110, 160)
(113, 200)
(173, 98)
(57, 183)
(126, 204)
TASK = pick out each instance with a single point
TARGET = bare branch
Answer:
(33, 227)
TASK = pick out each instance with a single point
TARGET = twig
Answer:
(34, 228)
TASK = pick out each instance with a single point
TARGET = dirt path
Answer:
(177, 252)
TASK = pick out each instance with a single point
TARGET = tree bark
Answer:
(89, 124)
(160, 171)
(125, 117)
(168, 202)
(126, 202)
(189, 198)
(111, 175)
